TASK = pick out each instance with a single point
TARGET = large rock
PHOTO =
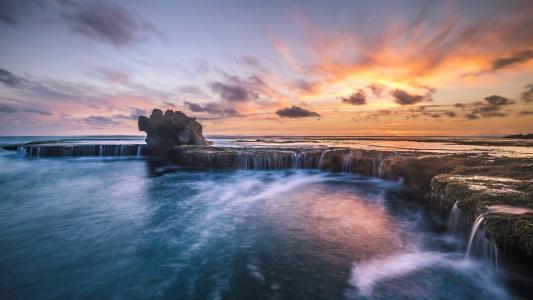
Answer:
(174, 128)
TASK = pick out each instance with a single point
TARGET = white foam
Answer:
(366, 274)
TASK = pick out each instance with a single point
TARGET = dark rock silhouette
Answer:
(528, 136)
(173, 128)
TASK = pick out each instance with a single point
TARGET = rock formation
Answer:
(173, 128)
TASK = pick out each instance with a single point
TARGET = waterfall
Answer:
(480, 246)
(454, 222)
(300, 160)
(295, 159)
(100, 150)
(347, 160)
(21, 152)
(241, 161)
(380, 167)
(209, 158)
(473, 233)
(322, 158)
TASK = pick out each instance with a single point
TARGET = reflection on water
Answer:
(77, 228)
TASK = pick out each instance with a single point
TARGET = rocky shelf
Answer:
(65, 149)
(477, 184)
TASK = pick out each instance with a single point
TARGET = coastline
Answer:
(465, 180)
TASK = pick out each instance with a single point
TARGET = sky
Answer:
(268, 67)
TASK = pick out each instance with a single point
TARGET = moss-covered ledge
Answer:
(511, 227)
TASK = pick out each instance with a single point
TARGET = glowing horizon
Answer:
(409, 68)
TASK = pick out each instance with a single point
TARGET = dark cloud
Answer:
(450, 114)
(296, 112)
(6, 109)
(357, 98)
(9, 78)
(515, 58)
(471, 116)
(404, 98)
(211, 108)
(32, 91)
(38, 111)
(107, 22)
(376, 89)
(526, 113)
(232, 92)
(527, 95)
(11, 10)
(236, 89)
(496, 100)
(46, 88)
(7, 12)
(492, 106)
(245, 89)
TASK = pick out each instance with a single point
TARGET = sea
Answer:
(108, 228)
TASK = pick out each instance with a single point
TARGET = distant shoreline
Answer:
(528, 136)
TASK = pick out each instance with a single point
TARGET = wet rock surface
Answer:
(173, 128)
(499, 190)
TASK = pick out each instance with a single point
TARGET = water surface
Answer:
(91, 228)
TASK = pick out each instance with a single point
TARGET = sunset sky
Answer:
(268, 67)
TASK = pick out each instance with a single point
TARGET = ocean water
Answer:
(97, 228)
(485, 145)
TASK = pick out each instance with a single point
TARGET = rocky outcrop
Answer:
(173, 128)
(501, 191)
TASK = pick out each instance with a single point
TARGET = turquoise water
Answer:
(96, 228)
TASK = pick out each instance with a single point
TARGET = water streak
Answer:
(479, 245)
(454, 222)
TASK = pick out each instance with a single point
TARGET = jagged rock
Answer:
(174, 128)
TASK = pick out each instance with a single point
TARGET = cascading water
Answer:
(380, 167)
(480, 246)
(295, 160)
(347, 160)
(21, 152)
(80, 150)
(454, 222)
(322, 158)
(374, 167)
